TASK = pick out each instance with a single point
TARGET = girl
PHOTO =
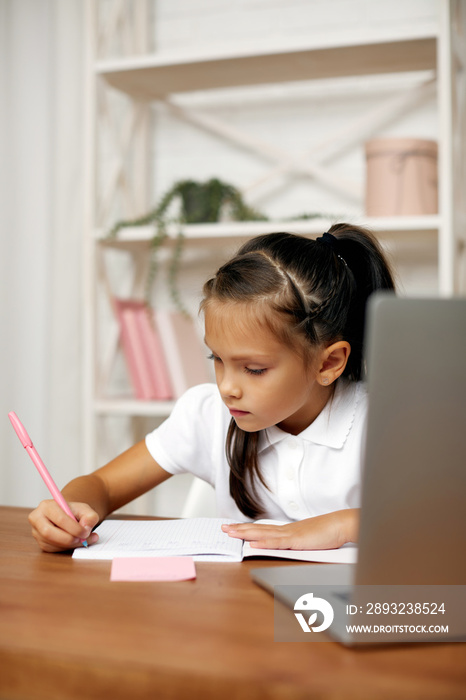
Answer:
(281, 435)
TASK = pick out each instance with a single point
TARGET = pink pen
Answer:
(32, 452)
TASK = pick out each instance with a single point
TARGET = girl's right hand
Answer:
(55, 531)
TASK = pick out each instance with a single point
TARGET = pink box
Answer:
(401, 177)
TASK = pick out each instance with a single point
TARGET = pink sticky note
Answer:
(152, 569)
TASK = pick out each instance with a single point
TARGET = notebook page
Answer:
(201, 538)
(347, 554)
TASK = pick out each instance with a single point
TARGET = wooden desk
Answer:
(66, 632)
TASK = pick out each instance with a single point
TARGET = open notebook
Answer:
(201, 538)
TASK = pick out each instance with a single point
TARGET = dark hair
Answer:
(310, 293)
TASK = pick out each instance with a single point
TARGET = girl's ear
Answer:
(333, 362)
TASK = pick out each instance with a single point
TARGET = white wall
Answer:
(181, 24)
(41, 186)
(40, 237)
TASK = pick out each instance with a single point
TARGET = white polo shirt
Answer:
(315, 472)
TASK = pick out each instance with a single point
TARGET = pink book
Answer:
(143, 351)
(185, 356)
(133, 349)
(155, 358)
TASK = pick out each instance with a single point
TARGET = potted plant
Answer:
(199, 202)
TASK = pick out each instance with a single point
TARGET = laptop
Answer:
(413, 514)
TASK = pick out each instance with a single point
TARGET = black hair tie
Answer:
(329, 239)
(332, 242)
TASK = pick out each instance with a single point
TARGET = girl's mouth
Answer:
(236, 413)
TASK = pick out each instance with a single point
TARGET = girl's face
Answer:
(261, 381)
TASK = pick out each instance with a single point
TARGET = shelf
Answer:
(132, 407)
(157, 75)
(140, 237)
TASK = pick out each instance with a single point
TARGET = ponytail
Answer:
(361, 252)
(310, 293)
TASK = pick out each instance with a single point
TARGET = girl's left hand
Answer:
(328, 531)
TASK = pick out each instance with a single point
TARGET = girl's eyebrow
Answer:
(251, 357)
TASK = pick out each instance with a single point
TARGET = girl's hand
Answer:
(55, 531)
(328, 531)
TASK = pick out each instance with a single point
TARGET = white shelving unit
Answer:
(155, 77)
(142, 78)
(141, 236)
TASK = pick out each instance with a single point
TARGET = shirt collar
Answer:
(332, 426)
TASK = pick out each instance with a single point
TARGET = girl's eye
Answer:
(255, 371)
(248, 370)
(213, 357)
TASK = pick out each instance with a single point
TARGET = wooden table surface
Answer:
(66, 631)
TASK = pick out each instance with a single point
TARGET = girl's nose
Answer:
(228, 386)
